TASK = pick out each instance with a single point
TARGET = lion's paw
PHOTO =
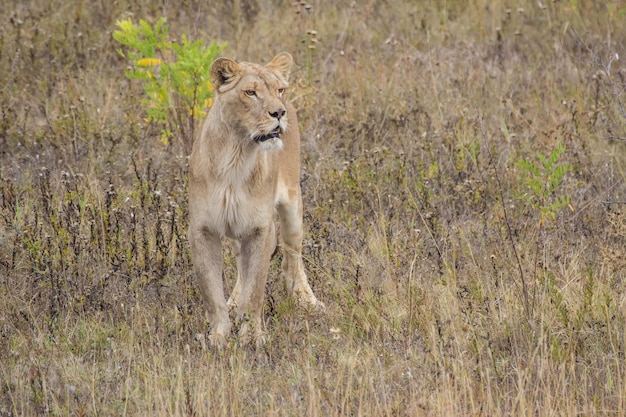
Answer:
(252, 334)
(308, 301)
(217, 340)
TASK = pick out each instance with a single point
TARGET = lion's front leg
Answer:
(233, 300)
(254, 260)
(206, 249)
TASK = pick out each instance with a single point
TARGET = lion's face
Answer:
(250, 98)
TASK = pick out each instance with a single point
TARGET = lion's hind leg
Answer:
(291, 231)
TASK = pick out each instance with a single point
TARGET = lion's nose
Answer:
(278, 113)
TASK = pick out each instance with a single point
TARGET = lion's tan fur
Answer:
(237, 184)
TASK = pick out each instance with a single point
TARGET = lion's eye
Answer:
(250, 93)
(281, 91)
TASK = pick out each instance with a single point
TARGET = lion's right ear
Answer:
(282, 63)
(224, 71)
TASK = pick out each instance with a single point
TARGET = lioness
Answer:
(245, 165)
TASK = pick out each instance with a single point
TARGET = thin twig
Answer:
(508, 224)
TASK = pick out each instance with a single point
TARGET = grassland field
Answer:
(464, 167)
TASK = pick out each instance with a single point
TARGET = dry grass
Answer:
(446, 294)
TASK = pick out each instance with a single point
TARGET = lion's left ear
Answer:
(282, 64)
(224, 71)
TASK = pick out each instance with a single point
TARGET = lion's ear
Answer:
(282, 64)
(223, 71)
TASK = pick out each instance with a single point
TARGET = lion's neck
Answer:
(235, 160)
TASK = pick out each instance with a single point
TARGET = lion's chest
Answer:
(232, 210)
(237, 205)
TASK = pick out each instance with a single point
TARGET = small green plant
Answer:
(175, 76)
(543, 180)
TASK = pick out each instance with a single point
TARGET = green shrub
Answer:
(174, 76)
(543, 179)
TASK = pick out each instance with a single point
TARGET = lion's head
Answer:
(250, 98)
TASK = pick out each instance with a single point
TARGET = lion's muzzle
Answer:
(274, 134)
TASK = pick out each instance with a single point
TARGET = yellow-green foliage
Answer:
(543, 182)
(175, 76)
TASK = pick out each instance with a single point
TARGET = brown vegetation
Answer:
(448, 292)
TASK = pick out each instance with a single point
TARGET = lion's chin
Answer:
(273, 144)
(270, 142)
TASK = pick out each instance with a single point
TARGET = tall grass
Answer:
(448, 292)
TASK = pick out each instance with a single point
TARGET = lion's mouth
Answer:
(272, 135)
